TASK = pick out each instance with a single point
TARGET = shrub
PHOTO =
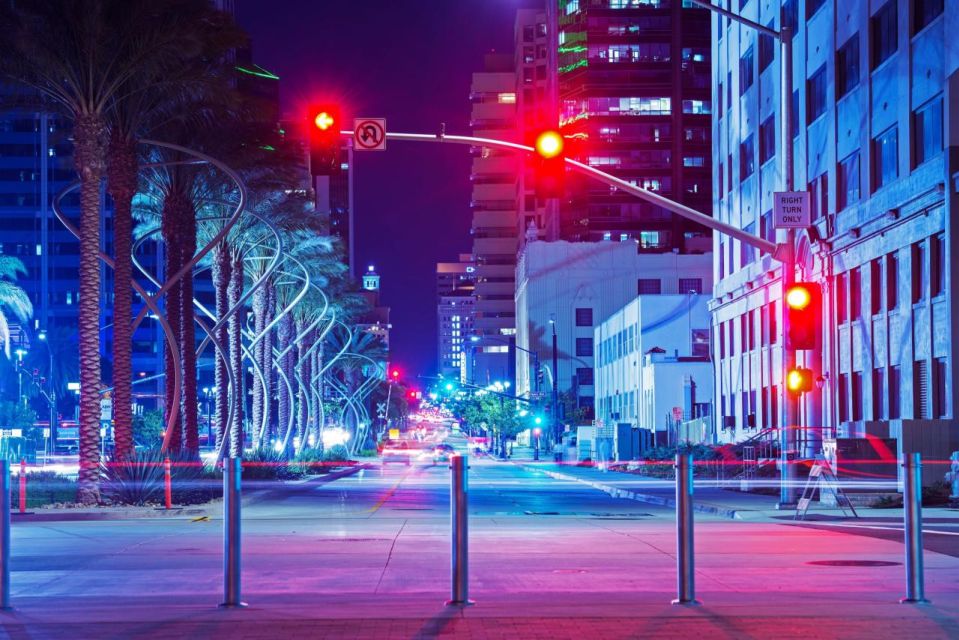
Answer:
(336, 454)
(310, 461)
(140, 480)
(267, 464)
(44, 487)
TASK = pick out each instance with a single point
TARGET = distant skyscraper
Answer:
(455, 283)
(493, 98)
(634, 92)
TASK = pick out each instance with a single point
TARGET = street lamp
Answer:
(51, 394)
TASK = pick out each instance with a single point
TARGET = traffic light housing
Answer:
(324, 125)
(799, 380)
(804, 310)
(549, 165)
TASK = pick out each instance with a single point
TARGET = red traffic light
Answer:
(411, 394)
(395, 374)
(549, 144)
(799, 380)
(804, 314)
(324, 139)
(324, 120)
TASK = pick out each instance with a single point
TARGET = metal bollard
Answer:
(232, 470)
(4, 535)
(167, 483)
(685, 569)
(459, 531)
(23, 485)
(912, 525)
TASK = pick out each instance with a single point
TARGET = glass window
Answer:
(767, 140)
(940, 402)
(848, 192)
(875, 286)
(927, 138)
(747, 159)
(877, 393)
(584, 375)
(842, 394)
(816, 94)
(812, 6)
(855, 294)
(649, 286)
(794, 116)
(746, 71)
(885, 33)
(857, 395)
(847, 66)
(584, 317)
(690, 285)
(937, 246)
(895, 375)
(584, 346)
(892, 281)
(840, 298)
(918, 271)
(925, 12)
(920, 390)
(885, 153)
(766, 49)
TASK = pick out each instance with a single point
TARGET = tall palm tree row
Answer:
(82, 58)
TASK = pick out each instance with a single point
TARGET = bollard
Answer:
(686, 588)
(912, 526)
(232, 469)
(953, 475)
(167, 483)
(459, 531)
(23, 485)
(4, 535)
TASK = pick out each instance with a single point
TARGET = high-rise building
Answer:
(871, 125)
(494, 229)
(634, 100)
(455, 282)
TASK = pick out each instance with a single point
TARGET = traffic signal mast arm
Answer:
(763, 245)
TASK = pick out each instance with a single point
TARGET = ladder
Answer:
(821, 477)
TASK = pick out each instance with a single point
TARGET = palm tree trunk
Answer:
(234, 291)
(221, 282)
(284, 331)
(170, 229)
(190, 408)
(267, 364)
(89, 152)
(122, 182)
(259, 393)
(302, 397)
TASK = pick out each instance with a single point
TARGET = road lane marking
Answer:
(390, 492)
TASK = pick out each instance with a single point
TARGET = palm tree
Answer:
(13, 300)
(80, 56)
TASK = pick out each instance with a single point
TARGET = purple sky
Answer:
(409, 61)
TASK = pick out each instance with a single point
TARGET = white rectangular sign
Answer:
(791, 210)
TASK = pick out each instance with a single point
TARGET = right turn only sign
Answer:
(791, 210)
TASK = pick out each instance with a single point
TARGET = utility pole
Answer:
(555, 411)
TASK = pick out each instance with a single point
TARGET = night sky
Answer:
(409, 61)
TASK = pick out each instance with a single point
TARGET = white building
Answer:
(676, 389)
(636, 349)
(876, 131)
(577, 285)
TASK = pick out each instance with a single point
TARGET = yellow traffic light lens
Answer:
(323, 121)
(549, 144)
(798, 298)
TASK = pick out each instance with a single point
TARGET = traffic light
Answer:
(549, 168)
(538, 420)
(799, 380)
(804, 310)
(395, 375)
(324, 128)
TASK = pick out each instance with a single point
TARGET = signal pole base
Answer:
(231, 605)
(687, 603)
(459, 603)
(913, 601)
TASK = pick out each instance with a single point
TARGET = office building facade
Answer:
(875, 145)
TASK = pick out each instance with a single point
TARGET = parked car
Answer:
(396, 451)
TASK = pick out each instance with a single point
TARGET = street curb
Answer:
(626, 494)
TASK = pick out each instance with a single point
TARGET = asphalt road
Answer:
(368, 556)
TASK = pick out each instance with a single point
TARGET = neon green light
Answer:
(259, 72)
(576, 49)
(575, 65)
(268, 147)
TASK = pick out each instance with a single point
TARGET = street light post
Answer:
(555, 411)
(787, 255)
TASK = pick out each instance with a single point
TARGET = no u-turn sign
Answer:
(369, 134)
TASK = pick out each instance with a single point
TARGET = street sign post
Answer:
(369, 134)
(791, 210)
